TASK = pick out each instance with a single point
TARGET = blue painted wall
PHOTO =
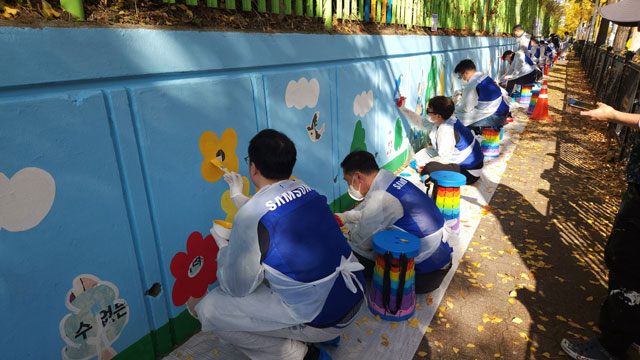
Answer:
(115, 116)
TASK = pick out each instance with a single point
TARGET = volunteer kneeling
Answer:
(390, 202)
(287, 277)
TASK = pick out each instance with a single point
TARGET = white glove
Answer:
(457, 96)
(221, 241)
(235, 183)
(351, 216)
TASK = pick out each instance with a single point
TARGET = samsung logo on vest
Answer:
(399, 183)
(287, 196)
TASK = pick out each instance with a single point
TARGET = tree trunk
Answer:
(620, 41)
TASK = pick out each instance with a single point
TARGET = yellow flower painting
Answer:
(219, 154)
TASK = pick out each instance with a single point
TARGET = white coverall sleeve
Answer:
(239, 269)
(416, 120)
(379, 212)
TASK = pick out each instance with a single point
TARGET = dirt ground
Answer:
(534, 271)
(157, 15)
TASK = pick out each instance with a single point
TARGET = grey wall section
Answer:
(115, 117)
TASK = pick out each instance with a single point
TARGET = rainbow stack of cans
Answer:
(392, 294)
(491, 143)
(525, 95)
(534, 100)
(447, 198)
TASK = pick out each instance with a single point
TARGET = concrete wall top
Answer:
(70, 55)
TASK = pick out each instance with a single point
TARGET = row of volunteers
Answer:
(287, 277)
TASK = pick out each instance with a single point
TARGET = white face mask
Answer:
(355, 194)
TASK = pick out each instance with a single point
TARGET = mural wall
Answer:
(114, 144)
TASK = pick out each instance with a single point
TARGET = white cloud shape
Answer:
(302, 93)
(363, 103)
(26, 198)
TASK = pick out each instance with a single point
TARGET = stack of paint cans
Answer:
(491, 143)
(447, 197)
(392, 294)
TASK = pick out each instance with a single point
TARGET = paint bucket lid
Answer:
(396, 242)
(449, 178)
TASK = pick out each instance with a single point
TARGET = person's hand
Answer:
(351, 216)
(235, 183)
(603, 112)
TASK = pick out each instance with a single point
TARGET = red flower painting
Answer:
(195, 269)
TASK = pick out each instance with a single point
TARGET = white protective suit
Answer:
(254, 297)
(442, 139)
(523, 41)
(519, 67)
(469, 110)
(379, 211)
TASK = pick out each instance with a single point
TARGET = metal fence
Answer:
(615, 82)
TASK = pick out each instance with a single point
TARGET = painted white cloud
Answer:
(302, 93)
(363, 103)
(25, 199)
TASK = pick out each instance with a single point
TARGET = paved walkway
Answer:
(529, 259)
(534, 271)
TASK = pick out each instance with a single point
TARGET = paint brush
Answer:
(218, 164)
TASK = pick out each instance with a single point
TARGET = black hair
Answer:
(442, 106)
(464, 65)
(518, 27)
(273, 153)
(506, 53)
(359, 160)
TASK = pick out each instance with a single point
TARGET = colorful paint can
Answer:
(392, 294)
(534, 100)
(447, 196)
(491, 143)
(525, 95)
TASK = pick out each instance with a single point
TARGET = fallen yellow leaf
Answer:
(480, 328)
(590, 298)
(429, 329)
(385, 342)
(450, 304)
(429, 300)
(377, 317)
(214, 352)
(8, 11)
(346, 337)
(547, 355)
(561, 318)
(513, 293)
(413, 322)
(470, 346)
(497, 355)
(438, 343)
(394, 325)
(541, 327)
(422, 353)
(511, 301)
(517, 320)
(455, 350)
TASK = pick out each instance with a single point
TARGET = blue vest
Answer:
(306, 244)
(466, 138)
(527, 59)
(421, 215)
(488, 91)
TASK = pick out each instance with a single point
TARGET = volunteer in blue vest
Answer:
(389, 201)
(454, 146)
(483, 102)
(535, 52)
(522, 70)
(287, 277)
(523, 40)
